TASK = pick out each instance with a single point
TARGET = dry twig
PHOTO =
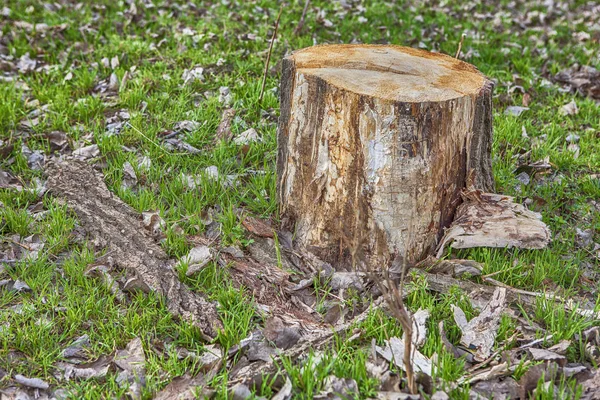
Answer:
(264, 80)
(462, 38)
(302, 17)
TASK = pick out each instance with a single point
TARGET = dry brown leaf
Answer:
(394, 352)
(479, 334)
(224, 128)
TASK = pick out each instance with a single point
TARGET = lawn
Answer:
(150, 83)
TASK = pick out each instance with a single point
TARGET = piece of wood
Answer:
(112, 225)
(494, 220)
(373, 139)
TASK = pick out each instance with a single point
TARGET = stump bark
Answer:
(375, 145)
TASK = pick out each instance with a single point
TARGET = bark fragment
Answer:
(494, 220)
(113, 225)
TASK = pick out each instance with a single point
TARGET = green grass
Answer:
(153, 51)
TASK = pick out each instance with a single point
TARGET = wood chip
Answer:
(493, 220)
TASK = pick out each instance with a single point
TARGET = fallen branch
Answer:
(442, 283)
(111, 224)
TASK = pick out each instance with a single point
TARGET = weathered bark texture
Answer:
(112, 224)
(376, 144)
(493, 220)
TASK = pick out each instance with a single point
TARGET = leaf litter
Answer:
(334, 385)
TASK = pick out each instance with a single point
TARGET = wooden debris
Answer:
(493, 220)
(442, 283)
(113, 225)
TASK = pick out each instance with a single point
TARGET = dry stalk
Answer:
(462, 38)
(264, 80)
(302, 17)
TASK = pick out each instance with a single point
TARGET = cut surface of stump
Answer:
(375, 145)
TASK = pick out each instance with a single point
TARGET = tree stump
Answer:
(375, 145)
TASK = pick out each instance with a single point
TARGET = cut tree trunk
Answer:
(375, 145)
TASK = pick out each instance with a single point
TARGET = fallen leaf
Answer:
(479, 334)
(240, 392)
(282, 334)
(186, 126)
(224, 128)
(581, 79)
(26, 64)
(87, 152)
(569, 108)
(94, 370)
(101, 271)
(561, 347)
(35, 158)
(225, 97)
(258, 227)
(338, 388)
(153, 222)
(130, 179)
(113, 82)
(572, 138)
(178, 144)
(515, 110)
(439, 396)
(78, 348)
(132, 359)
(574, 148)
(419, 334)
(546, 355)
(591, 387)
(506, 388)
(114, 62)
(144, 163)
(15, 286)
(9, 181)
(397, 396)
(212, 172)
(531, 379)
(197, 259)
(211, 356)
(192, 75)
(246, 137)
(285, 392)
(394, 352)
(181, 388)
(57, 140)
